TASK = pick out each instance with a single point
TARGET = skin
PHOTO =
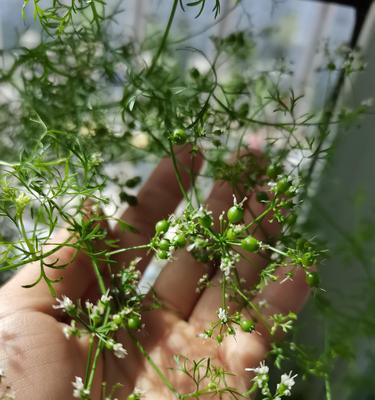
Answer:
(41, 364)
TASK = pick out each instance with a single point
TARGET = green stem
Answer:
(95, 14)
(269, 247)
(102, 287)
(101, 343)
(259, 217)
(24, 234)
(118, 251)
(327, 385)
(158, 371)
(89, 357)
(165, 37)
(255, 309)
(99, 277)
(36, 258)
(94, 365)
(178, 175)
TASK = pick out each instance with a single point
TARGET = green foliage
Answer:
(85, 99)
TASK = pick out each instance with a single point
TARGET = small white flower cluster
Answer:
(96, 311)
(201, 212)
(229, 262)
(79, 391)
(71, 330)
(261, 375)
(65, 304)
(285, 385)
(203, 335)
(117, 348)
(138, 393)
(202, 283)
(222, 315)
(172, 232)
(261, 380)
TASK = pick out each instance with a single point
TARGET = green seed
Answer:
(179, 241)
(231, 234)
(134, 323)
(250, 244)
(179, 136)
(274, 170)
(164, 244)
(247, 325)
(235, 214)
(163, 255)
(162, 226)
(283, 185)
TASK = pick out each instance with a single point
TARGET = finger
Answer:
(279, 297)
(159, 197)
(177, 283)
(248, 268)
(75, 277)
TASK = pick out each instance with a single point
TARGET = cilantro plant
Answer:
(89, 108)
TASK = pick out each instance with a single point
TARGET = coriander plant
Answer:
(238, 154)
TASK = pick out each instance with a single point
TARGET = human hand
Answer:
(41, 364)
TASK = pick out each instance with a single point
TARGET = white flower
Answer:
(261, 370)
(71, 330)
(228, 263)
(226, 266)
(203, 335)
(97, 311)
(119, 350)
(139, 392)
(286, 384)
(65, 303)
(171, 233)
(222, 315)
(89, 305)
(261, 376)
(79, 389)
(106, 298)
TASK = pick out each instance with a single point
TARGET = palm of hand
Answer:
(41, 363)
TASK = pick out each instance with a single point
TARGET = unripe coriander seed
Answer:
(162, 226)
(134, 323)
(250, 244)
(235, 214)
(247, 325)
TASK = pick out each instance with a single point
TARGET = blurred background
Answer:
(299, 35)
